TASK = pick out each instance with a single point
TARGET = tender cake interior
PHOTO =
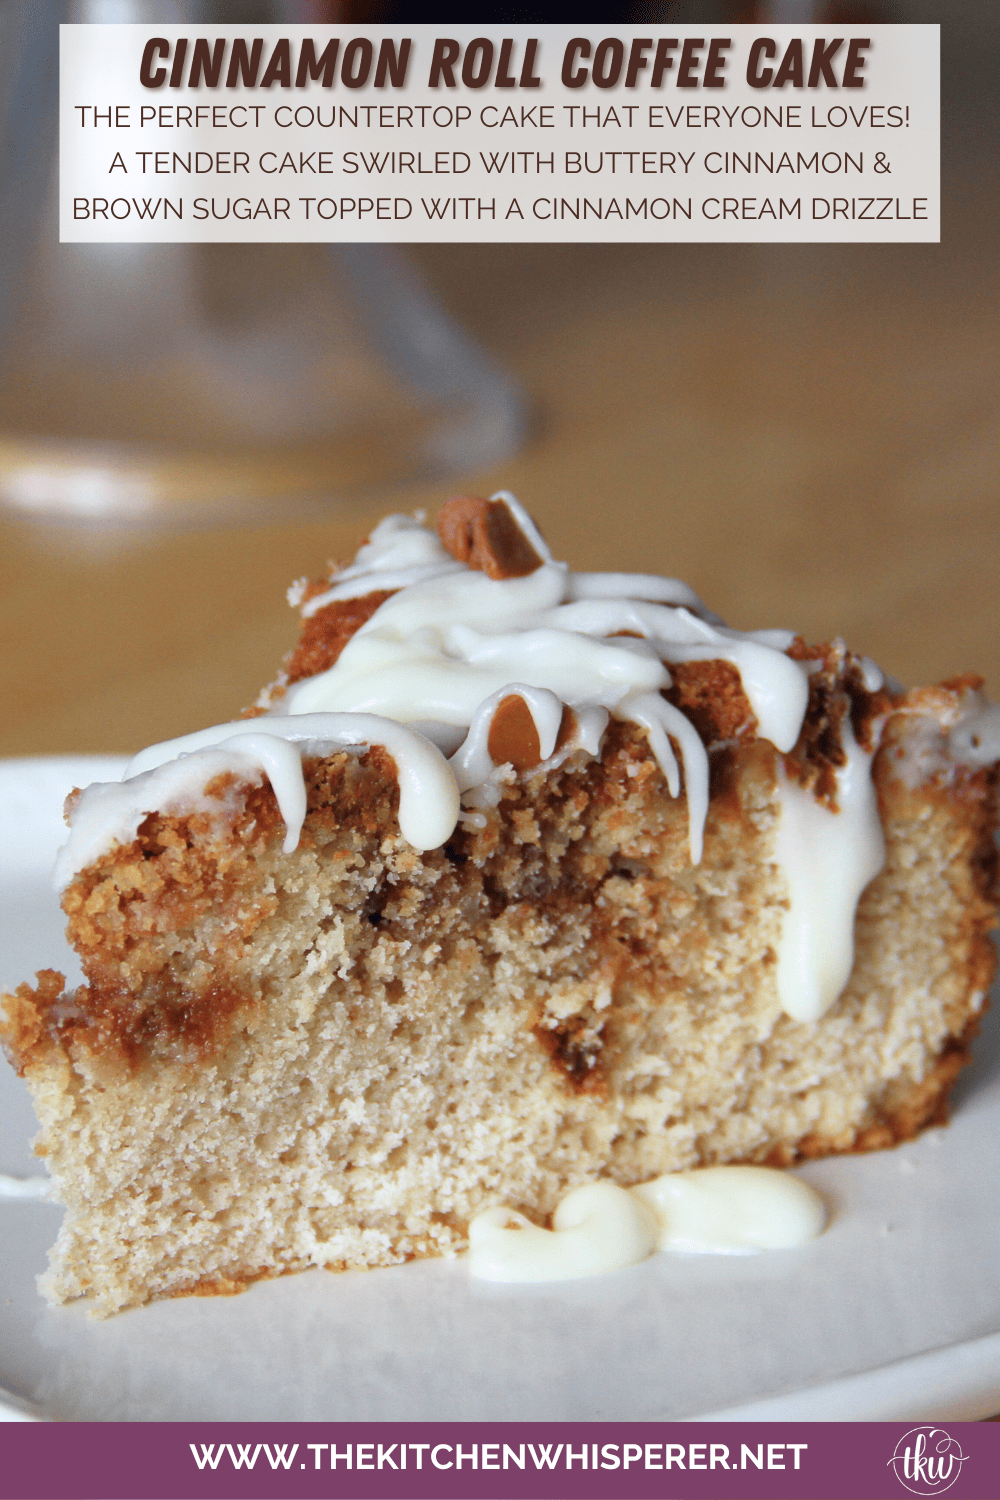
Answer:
(336, 1057)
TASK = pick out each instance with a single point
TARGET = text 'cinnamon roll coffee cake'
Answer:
(518, 878)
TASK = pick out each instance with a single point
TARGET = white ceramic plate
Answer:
(893, 1314)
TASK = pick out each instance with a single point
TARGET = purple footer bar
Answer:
(483, 1460)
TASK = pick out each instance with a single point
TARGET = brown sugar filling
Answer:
(836, 693)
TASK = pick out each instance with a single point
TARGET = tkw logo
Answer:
(927, 1460)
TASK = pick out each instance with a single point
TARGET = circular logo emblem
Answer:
(927, 1460)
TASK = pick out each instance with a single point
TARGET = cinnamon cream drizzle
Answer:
(600, 1227)
(427, 676)
(453, 639)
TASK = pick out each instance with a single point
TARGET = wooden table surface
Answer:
(807, 434)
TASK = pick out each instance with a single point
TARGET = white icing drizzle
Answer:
(936, 732)
(827, 859)
(974, 737)
(596, 1228)
(171, 777)
(733, 1210)
(400, 553)
(472, 763)
(428, 800)
(660, 719)
(110, 812)
(645, 586)
(872, 676)
(451, 644)
(728, 1210)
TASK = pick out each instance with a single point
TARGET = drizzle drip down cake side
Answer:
(515, 878)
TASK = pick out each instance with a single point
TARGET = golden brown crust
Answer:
(230, 1285)
(901, 1114)
(968, 798)
(327, 632)
(977, 792)
(484, 535)
(25, 1031)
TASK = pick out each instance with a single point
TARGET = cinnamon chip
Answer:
(567, 728)
(485, 535)
(513, 738)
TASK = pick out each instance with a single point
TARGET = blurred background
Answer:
(807, 434)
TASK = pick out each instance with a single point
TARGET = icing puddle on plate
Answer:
(600, 1227)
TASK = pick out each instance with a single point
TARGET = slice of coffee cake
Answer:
(516, 878)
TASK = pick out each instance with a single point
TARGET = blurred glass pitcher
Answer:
(165, 384)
